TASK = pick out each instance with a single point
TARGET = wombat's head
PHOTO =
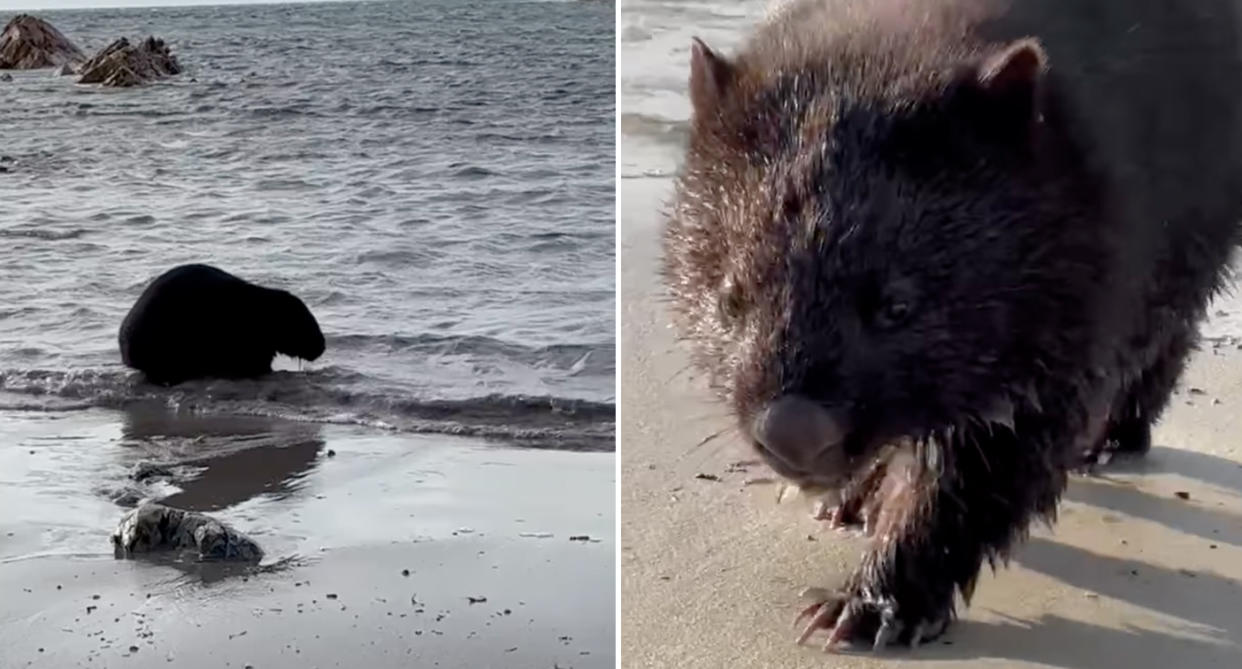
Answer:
(872, 245)
(295, 331)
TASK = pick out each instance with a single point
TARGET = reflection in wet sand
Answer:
(221, 461)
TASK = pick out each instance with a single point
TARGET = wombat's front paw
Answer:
(858, 619)
(1131, 435)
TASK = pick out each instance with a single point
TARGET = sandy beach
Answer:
(383, 549)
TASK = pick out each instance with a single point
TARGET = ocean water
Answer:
(655, 38)
(434, 179)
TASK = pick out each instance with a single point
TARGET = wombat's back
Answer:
(1155, 95)
(197, 320)
(1151, 92)
(1154, 84)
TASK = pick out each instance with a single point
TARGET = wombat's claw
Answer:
(819, 613)
(834, 516)
(829, 614)
(852, 619)
(840, 518)
(1092, 461)
(824, 511)
(841, 616)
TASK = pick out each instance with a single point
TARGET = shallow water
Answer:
(434, 179)
(655, 38)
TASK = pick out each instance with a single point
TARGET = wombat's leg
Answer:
(1147, 398)
(1093, 441)
(933, 533)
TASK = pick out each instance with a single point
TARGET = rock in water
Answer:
(30, 43)
(123, 64)
(155, 527)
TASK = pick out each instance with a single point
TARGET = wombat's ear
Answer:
(1013, 75)
(710, 77)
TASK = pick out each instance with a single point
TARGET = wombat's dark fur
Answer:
(981, 231)
(197, 321)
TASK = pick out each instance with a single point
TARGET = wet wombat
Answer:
(197, 321)
(933, 253)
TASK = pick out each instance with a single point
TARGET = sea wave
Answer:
(328, 395)
(575, 358)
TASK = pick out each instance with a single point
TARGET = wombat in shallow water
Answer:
(198, 321)
(934, 253)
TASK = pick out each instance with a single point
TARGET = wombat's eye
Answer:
(893, 312)
(730, 303)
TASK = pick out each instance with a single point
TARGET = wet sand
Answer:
(1132, 575)
(341, 512)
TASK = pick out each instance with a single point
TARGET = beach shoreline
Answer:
(379, 547)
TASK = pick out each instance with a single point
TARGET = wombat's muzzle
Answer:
(802, 435)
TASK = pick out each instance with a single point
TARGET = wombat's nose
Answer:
(797, 430)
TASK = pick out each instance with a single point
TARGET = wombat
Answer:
(937, 254)
(197, 321)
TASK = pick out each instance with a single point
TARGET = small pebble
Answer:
(815, 594)
(331, 453)
(707, 477)
(405, 572)
(331, 595)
